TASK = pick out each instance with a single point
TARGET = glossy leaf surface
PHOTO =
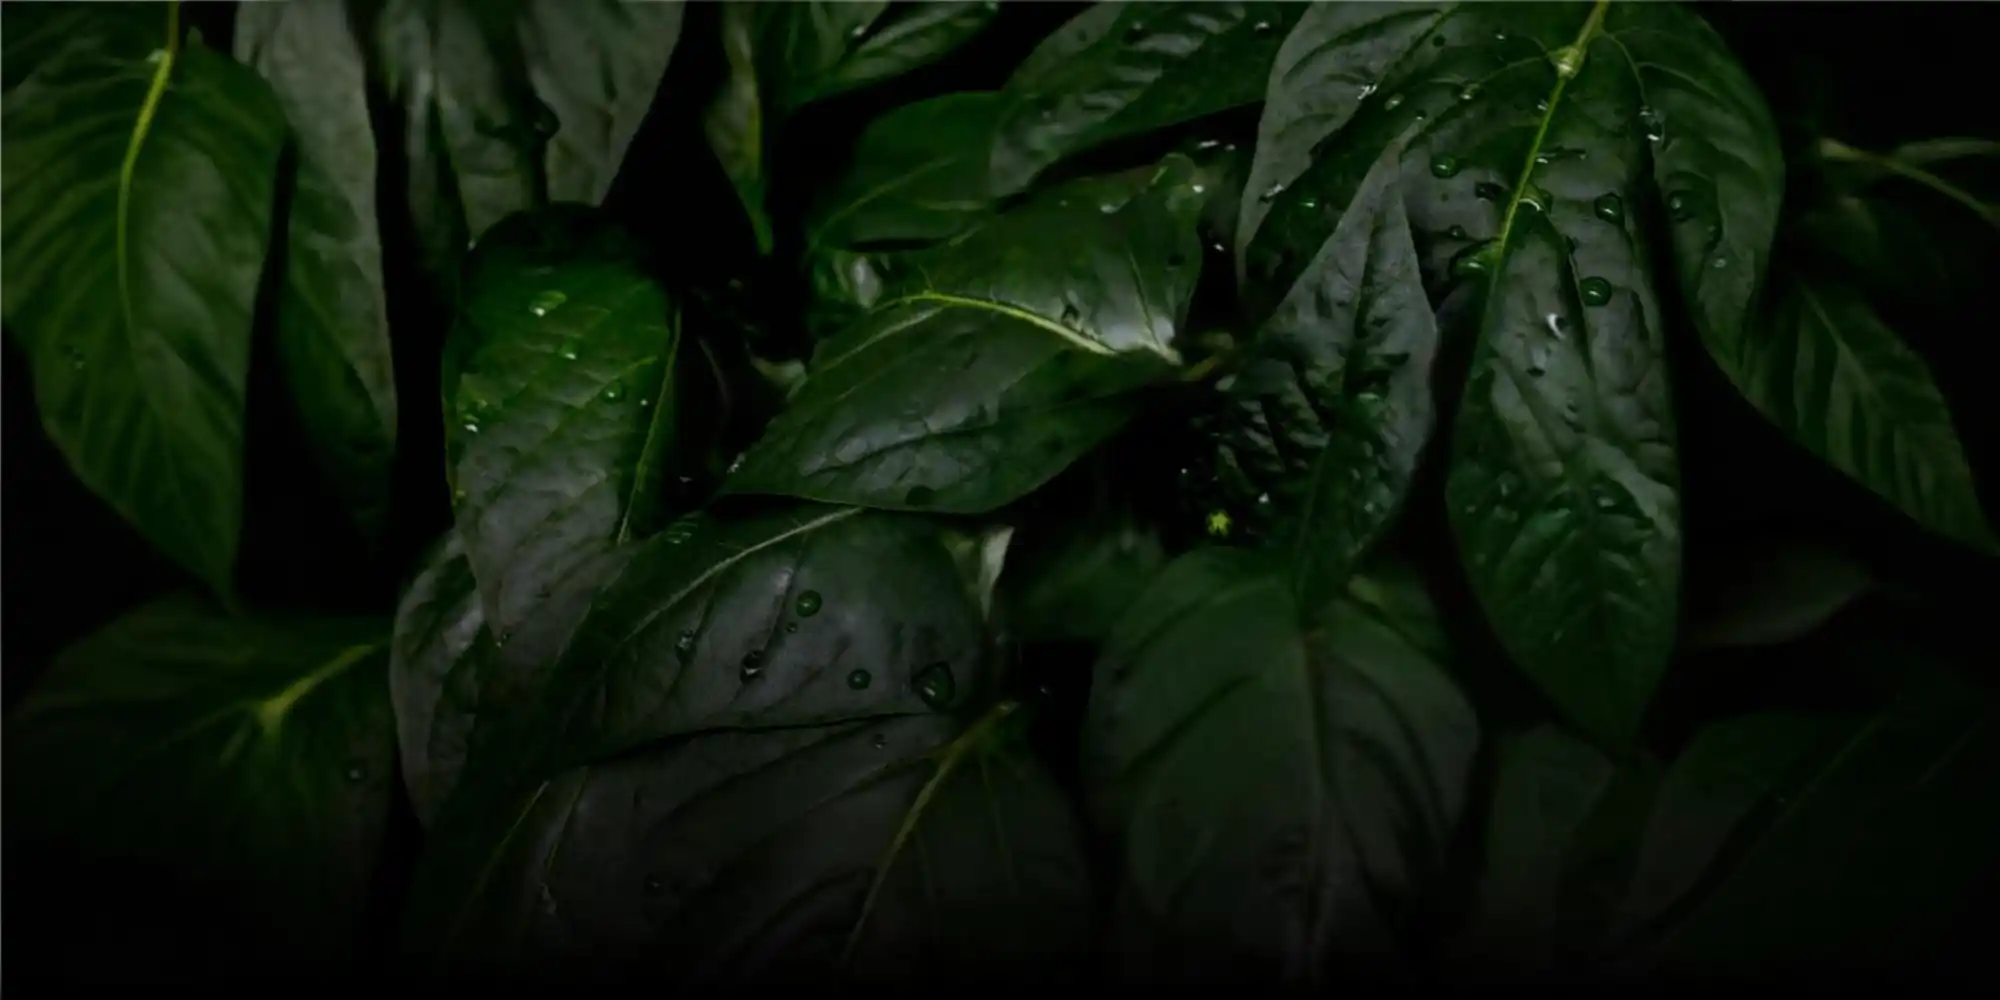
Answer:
(1282, 784)
(1323, 422)
(560, 397)
(791, 617)
(1539, 139)
(1002, 358)
(139, 187)
(1122, 69)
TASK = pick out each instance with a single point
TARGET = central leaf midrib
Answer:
(1590, 517)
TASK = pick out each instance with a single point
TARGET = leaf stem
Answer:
(1834, 151)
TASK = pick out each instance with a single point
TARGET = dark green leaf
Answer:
(1539, 137)
(1550, 783)
(870, 851)
(1004, 357)
(919, 175)
(139, 183)
(254, 759)
(1873, 852)
(1122, 69)
(1832, 375)
(473, 133)
(1283, 787)
(907, 36)
(1331, 409)
(803, 616)
(596, 65)
(1724, 774)
(561, 406)
(1077, 566)
(736, 119)
(333, 324)
(440, 631)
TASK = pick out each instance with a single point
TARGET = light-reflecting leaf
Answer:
(139, 181)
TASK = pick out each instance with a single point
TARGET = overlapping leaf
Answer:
(782, 56)
(1322, 424)
(252, 760)
(1283, 784)
(893, 851)
(1121, 69)
(1548, 135)
(333, 325)
(138, 197)
(560, 393)
(1005, 355)
(440, 638)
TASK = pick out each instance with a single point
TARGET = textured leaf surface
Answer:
(1833, 375)
(473, 133)
(806, 615)
(333, 325)
(1122, 69)
(138, 193)
(903, 37)
(1539, 139)
(596, 65)
(870, 851)
(561, 405)
(1283, 786)
(254, 760)
(439, 631)
(1005, 356)
(1325, 420)
(919, 174)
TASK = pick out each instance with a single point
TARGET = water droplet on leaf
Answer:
(935, 685)
(1444, 165)
(1393, 102)
(569, 352)
(1595, 291)
(881, 740)
(1468, 92)
(1556, 324)
(1718, 262)
(1271, 193)
(1609, 207)
(546, 301)
(355, 772)
(753, 664)
(1488, 191)
(1261, 27)
(684, 645)
(1568, 61)
(859, 679)
(1475, 259)
(1456, 232)
(808, 604)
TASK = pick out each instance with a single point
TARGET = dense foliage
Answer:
(1132, 491)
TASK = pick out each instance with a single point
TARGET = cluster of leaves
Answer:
(884, 660)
